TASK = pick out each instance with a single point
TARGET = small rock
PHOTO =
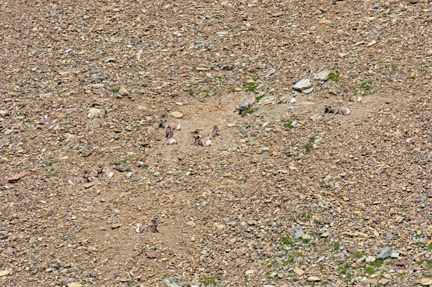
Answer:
(151, 255)
(4, 273)
(264, 149)
(314, 279)
(370, 259)
(303, 86)
(389, 236)
(4, 112)
(401, 263)
(383, 282)
(123, 92)
(177, 115)
(249, 272)
(191, 223)
(168, 282)
(96, 113)
(298, 234)
(394, 254)
(306, 237)
(413, 1)
(385, 253)
(325, 234)
(18, 176)
(116, 225)
(299, 271)
(129, 175)
(370, 281)
(74, 284)
(245, 104)
(426, 281)
(45, 121)
(322, 76)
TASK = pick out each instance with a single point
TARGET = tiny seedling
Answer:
(336, 246)
(288, 125)
(115, 91)
(334, 77)
(250, 87)
(209, 281)
(250, 110)
(258, 98)
(309, 145)
(287, 240)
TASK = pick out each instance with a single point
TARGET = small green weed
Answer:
(250, 87)
(288, 125)
(115, 91)
(250, 110)
(209, 281)
(287, 240)
(369, 270)
(258, 98)
(309, 145)
(358, 255)
(232, 90)
(336, 245)
(334, 77)
(377, 263)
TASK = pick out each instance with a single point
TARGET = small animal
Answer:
(337, 110)
(164, 123)
(170, 141)
(169, 133)
(209, 134)
(148, 228)
(289, 100)
(203, 141)
(351, 98)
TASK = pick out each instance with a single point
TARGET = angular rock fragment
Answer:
(337, 110)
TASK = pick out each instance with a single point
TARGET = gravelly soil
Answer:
(287, 195)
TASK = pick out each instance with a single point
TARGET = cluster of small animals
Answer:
(170, 127)
(201, 138)
(342, 110)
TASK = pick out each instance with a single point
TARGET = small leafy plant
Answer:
(309, 145)
(334, 77)
(250, 87)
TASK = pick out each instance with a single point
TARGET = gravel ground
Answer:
(312, 180)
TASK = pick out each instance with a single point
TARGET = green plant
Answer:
(366, 85)
(358, 255)
(336, 245)
(250, 110)
(377, 263)
(115, 91)
(309, 145)
(334, 77)
(412, 77)
(288, 125)
(369, 270)
(250, 86)
(287, 240)
(209, 281)
(232, 90)
(258, 98)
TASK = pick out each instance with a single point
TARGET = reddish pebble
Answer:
(151, 255)
(402, 263)
(136, 254)
(45, 121)
(413, 1)
(18, 176)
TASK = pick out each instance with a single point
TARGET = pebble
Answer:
(177, 115)
(322, 76)
(325, 234)
(123, 92)
(402, 263)
(394, 254)
(383, 282)
(4, 273)
(304, 86)
(298, 234)
(314, 279)
(170, 283)
(129, 175)
(370, 259)
(385, 253)
(249, 272)
(389, 235)
(299, 271)
(426, 282)
(74, 284)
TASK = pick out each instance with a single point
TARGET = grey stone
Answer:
(394, 254)
(304, 86)
(389, 235)
(298, 234)
(370, 259)
(385, 253)
(170, 283)
(322, 76)
(129, 174)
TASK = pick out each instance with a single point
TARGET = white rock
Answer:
(304, 86)
(370, 259)
(322, 76)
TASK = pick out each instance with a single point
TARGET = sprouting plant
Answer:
(209, 281)
(309, 145)
(250, 110)
(250, 87)
(288, 125)
(287, 240)
(336, 246)
(334, 77)
(115, 91)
